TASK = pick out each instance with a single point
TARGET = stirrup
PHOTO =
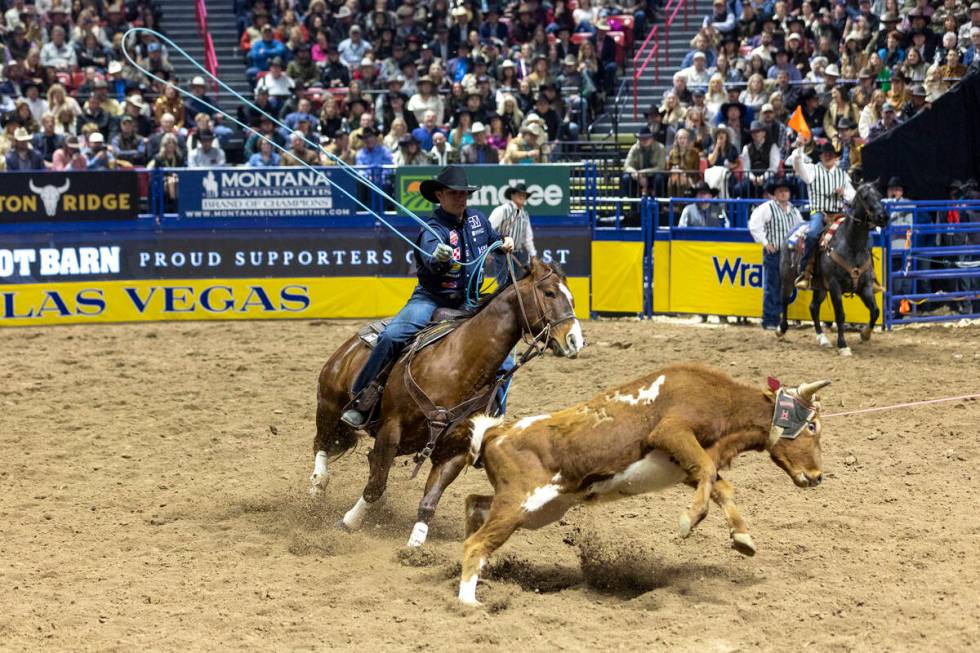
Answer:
(876, 287)
(803, 282)
(352, 418)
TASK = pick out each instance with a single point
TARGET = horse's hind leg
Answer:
(819, 293)
(442, 474)
(380, 459)
(867, 295)
(837, 299)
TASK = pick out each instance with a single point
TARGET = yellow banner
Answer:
(719, 278)
(216, 299)
(617, 276)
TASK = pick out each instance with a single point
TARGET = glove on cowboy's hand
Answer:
(442, 253)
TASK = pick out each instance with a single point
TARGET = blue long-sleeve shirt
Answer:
(469, 238)
(263, 51)
(379, 155)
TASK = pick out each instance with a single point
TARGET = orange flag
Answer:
(798, 124)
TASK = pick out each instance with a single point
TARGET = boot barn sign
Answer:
(66, 197)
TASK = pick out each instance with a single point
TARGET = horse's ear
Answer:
(536, 267)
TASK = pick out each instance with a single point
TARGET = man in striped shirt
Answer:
(512, 219)
(770, 224)
(828, 187)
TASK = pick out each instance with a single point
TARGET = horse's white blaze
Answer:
(565, 291)
(540, 496)
(653, 472)
(419, 533)
(355, 516)
(481, 423)
(525, 422)
(645, 395)
(575, 339)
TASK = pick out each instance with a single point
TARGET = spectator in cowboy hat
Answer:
(899, 220)
(703, 214)
(69, 156)
(644, 172)
(760, 162)
(454, 234)
(22, 156)
(409, 153)
(917, 102)
(135, 106)
(527, 147)
(512, 219)
(479, 151)
(847, 145)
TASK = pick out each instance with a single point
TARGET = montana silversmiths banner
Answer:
(548, 185)
(68, 196)
(267, 193)
(238, 254)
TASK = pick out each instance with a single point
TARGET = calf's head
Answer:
(794, 441)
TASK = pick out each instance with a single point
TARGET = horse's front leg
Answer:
(837, 299)
(819, 293)
(867, 296)
(441, 476)
(380, 459)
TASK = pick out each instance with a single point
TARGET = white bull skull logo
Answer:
(50, 195)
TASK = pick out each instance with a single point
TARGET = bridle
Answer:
(537, 340)
(862, 204)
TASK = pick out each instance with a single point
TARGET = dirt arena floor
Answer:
(152, 497)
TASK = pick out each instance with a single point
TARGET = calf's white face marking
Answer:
(527, 421)
(645, 396)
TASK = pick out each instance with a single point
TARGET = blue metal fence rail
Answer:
(937, 263)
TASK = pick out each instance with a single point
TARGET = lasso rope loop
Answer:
(343, 165)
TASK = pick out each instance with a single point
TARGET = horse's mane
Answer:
(485, 300)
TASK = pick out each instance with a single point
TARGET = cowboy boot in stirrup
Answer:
(803, 281)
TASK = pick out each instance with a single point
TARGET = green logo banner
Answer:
(548, 185)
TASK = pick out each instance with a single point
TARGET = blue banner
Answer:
(266, 193)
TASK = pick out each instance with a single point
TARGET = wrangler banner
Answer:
(725, 278)
(68, 196)
(266, 193)
(547, 184)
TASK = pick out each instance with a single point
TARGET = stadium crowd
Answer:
(854, 68)
(374, 82)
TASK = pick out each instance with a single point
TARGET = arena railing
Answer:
(934, 273)
(641, 60)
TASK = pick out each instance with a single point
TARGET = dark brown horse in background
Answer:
(845, 266)
(452, 370)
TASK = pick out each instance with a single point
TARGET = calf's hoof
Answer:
(844, 351)
(742, 542)
(684, 525)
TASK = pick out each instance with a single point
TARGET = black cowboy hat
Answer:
(846, 123)
(702, 187)
(777, 183)
(451, 177)
(825, 148)
(516, 188)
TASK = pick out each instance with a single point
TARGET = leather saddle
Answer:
(443, 322)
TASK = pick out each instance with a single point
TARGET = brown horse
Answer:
(450, 371)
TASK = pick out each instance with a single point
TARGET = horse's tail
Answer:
(481, 424)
